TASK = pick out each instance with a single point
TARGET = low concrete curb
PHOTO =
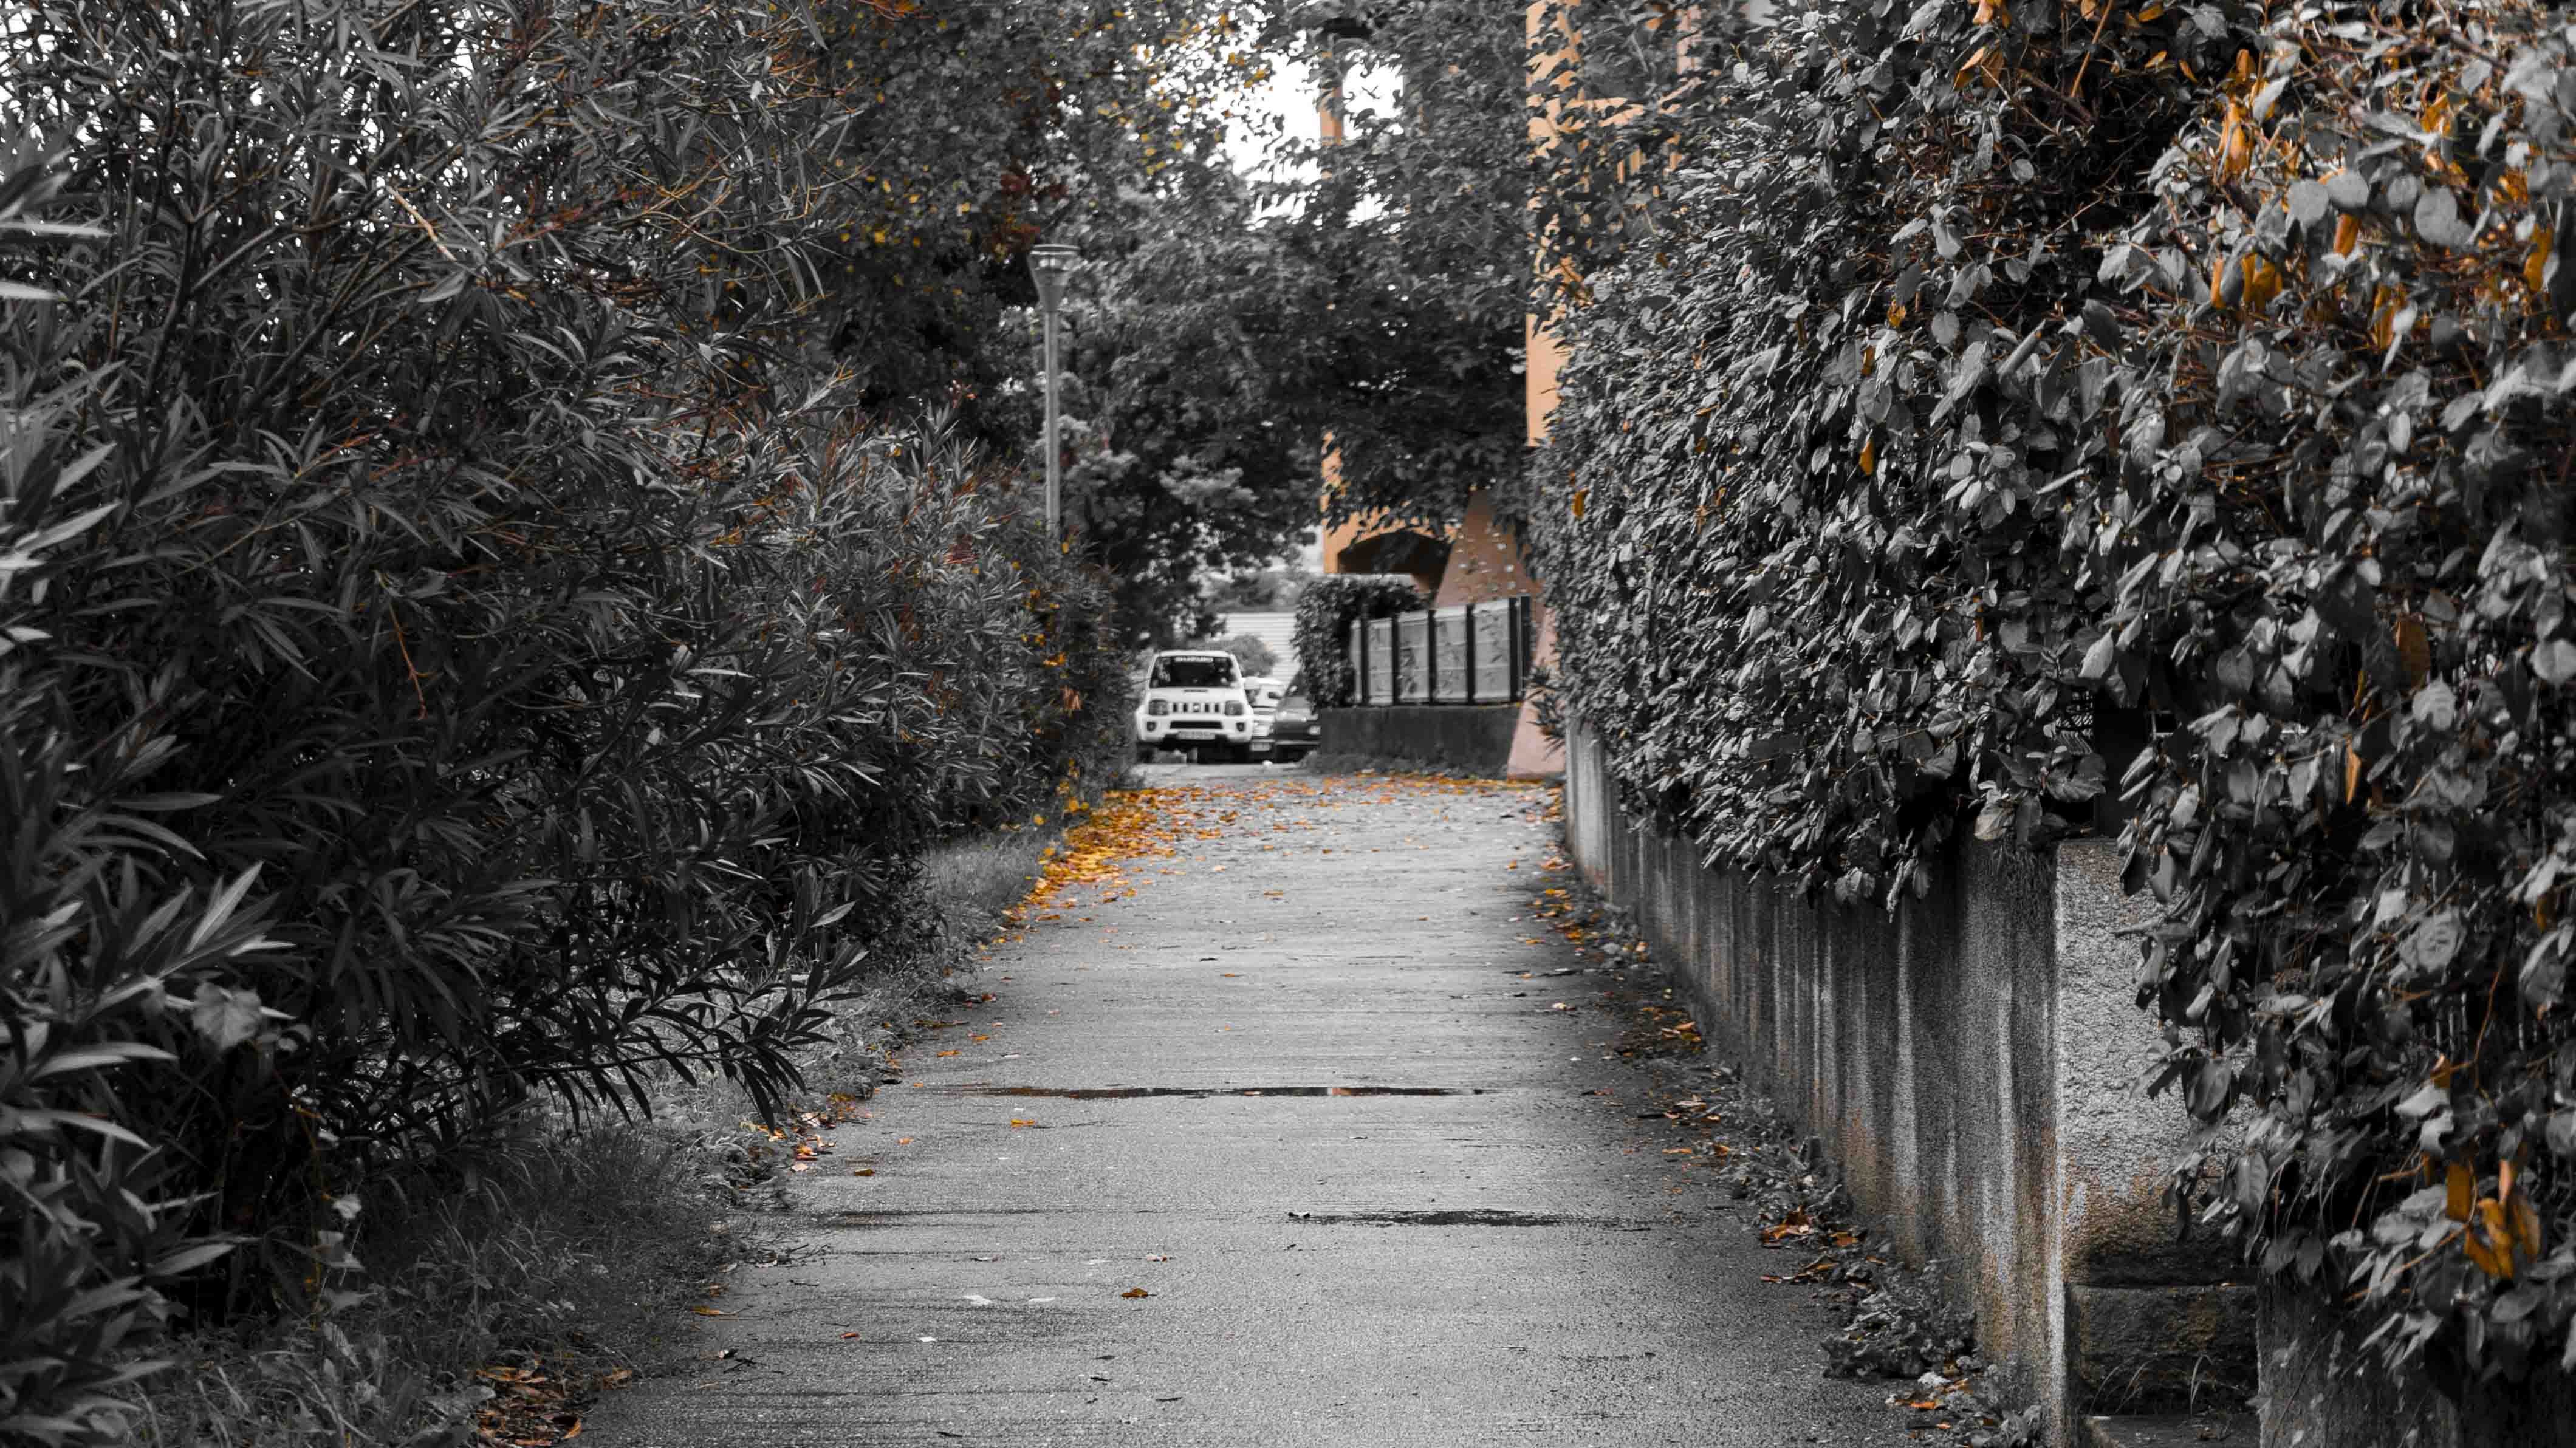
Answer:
(1971, 1060)
(1474, 740)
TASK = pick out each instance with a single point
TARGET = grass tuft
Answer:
(977, 882)
(551, 1262)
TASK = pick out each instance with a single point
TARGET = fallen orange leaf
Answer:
(1135, 1292)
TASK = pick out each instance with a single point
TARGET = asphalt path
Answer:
(1299, 1143)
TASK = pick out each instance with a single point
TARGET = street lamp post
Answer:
(1051, 262)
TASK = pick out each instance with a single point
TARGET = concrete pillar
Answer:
(2146, 1321)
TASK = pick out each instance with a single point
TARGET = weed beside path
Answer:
(496, 1302)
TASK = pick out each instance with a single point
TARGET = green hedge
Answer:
(1322, 637)
(2002, 405)
(449, 656)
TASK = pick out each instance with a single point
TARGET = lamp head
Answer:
(1051, 262)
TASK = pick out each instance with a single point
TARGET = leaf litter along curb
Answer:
(1895, 1324)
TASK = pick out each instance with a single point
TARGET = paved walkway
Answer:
(1279, 1149)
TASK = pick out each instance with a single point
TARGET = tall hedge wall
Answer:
(451, 653)
(2001, 405)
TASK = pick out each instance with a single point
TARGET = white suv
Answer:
(1194, 700)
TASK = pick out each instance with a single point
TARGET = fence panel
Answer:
(1452, 656)
(1495, 648)
(1467, 654)
(1413, 658)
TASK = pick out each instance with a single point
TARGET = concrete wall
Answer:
(1968, 1061)
(1468, 739)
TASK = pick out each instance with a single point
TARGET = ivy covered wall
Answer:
(1998, 419)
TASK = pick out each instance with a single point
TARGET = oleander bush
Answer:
(2012, 419)
(458, 648)
(1322, 633)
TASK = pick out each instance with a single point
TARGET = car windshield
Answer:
(1193, 673)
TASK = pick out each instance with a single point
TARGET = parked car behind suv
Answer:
(1294, 731)
(1194, 700)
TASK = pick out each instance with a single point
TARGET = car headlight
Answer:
(1234, 706)
(1158, 707)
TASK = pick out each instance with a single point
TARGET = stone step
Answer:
(2144, 1351)
(2162, 1430)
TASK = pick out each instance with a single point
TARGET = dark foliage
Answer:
(1367, 295)
(2005, 405)
(1256, 657)
(1270, 590)
(1181, 458)
(1325, 613)
(452, 649)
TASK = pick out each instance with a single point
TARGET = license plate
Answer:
(1196, 734)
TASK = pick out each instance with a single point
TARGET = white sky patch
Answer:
(1283, 108)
